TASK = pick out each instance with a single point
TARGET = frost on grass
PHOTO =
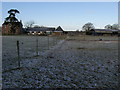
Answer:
(72, 64)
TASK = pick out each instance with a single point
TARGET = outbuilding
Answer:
(104, 32)
(58, 31)
(40, 31)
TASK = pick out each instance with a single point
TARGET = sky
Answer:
(68, 15)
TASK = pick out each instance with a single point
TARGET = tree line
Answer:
(88, 26)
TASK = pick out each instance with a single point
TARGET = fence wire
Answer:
(29, 46)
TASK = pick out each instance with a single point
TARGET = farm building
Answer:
(104, 32)
(72, 33)
(11, 28)
(11, 24)
(40, 30)
(58, 31)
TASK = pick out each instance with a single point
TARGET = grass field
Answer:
(78, 62)
(28, 47)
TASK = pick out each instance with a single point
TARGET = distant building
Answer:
(73, 33)
(104, 32)
(58, 31)
(44, 31)
(40, 30)
(11, 24)
(9, 28)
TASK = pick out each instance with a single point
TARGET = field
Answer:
(28, 47)
(71, 62)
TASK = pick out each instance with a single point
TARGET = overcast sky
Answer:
(68, 15)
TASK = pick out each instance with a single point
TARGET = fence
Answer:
(16, 48)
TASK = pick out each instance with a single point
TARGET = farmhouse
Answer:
(11, 24)
(11, 28)
(58, 31)
(40, 30)
(44, 31)
(104, 32)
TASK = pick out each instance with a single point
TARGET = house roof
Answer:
(41, 29)
(111, 30)
(17, 23)
(59, 29)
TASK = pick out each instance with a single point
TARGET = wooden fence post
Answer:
(48, 42)
(18, 53)
(56, 40)
(36, 46)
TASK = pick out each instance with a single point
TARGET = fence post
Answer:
(18, 53)
(36, 46)
(48, 42)
(53, 40)
(84, 36)
(56, 39)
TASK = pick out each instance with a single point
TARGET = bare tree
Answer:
(29, 24)
(88, 26)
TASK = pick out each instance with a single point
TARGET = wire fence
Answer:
(17, 48)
